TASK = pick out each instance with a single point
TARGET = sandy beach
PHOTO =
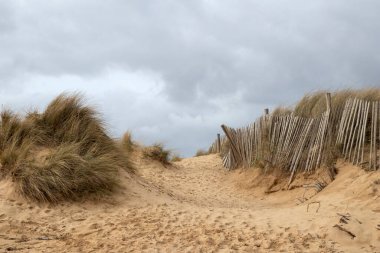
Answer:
(196, 205)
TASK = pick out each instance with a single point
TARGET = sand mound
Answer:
(196, 206)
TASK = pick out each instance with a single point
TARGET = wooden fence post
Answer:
(219, 144)
(328, 101)
(235, 149)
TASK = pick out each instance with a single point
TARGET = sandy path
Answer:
(193, 207)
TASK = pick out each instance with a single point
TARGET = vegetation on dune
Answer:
(201, 152)
(314, 104)
(63, 153)
(280, 111)
(158, 153)
(127, 143)
(176, 158)
(310, 138)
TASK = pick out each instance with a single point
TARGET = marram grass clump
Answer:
(158, 153)
(176, 158)
(314, 104)
(61, 154)
(127, 143)
(201, 152)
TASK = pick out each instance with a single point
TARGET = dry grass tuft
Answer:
(63, 174)
(157, 152)
(127, 143)
(201, 152)
(314, 104)
(63, 153)
(282, 111)
(176, 158)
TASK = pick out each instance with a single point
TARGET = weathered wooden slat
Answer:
(374, 119)
(371, 139)
(350, 124)
(299, 149)
(358, 133)
(323, 137)
(343, 122)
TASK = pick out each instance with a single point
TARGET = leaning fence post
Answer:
(235, 150)
(329, 131)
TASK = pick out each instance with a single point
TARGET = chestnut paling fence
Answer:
(298, 144)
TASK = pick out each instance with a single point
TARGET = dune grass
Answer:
(127, 143)
(201, 152)
(282, 111)
(158, 153)
(60, 154)
(176, 158)
(314, 104)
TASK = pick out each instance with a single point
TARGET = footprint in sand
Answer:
(94, 226)
(78, 217)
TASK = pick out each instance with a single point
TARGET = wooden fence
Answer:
(297, 144)
(359, 133)
(216, 146)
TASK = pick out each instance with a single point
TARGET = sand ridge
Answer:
(197, 206)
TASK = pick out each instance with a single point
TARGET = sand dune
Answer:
(197, 206)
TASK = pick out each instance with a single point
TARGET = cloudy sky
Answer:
(172, 71)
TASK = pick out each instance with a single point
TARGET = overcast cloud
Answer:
(172, 71)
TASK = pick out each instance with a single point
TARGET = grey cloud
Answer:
(222, 61)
